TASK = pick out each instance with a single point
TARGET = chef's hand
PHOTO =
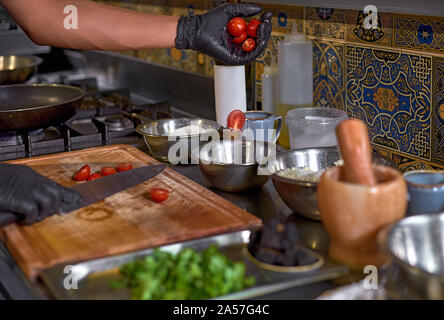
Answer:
(208, 33)
(29, 195)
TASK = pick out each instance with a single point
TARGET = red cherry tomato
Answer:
(124, 167)
(240, 39)
(159, 194)
(249, 45)
(83, 173)
(252, 28)
(94, 176)
(236, 26)
(107, 171)
(236, 120)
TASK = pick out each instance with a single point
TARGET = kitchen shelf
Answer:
(423, 7)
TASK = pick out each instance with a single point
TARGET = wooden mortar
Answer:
(358, 199)
(353, 214)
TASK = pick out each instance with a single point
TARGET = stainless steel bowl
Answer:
(156, 136)
(232, 165)
(17, 69)
(300, 195)
(417, 246)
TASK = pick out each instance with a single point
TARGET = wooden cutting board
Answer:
(123, 222)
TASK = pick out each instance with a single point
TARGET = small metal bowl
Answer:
(232, 165)
(156, 135)
(300, 195)
(416, 244)
(18, 69)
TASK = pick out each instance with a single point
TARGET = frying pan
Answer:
(25, 107)
(17, 69)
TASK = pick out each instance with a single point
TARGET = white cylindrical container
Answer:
(295, 59)
(295, 56)
(270, 93)
(230, 91)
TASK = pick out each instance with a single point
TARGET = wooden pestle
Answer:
(356, 152)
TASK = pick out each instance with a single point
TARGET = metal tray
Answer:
(93, 276)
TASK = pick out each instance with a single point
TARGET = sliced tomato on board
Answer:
(236, 120)
(159, 194)
(124, 167)
(83, 173)
(107, 171)
(94, 176)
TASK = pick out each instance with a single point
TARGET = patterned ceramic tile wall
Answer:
(392, 76)
(421, 33)
(391, 92)
(356, 31)
(328, 74)
(326, 23)
(438, 117)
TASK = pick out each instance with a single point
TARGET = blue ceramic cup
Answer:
(263, 121)
(425, 191)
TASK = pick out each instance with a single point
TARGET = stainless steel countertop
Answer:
(265, 203)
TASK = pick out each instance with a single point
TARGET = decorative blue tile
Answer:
(438, 119)
(356, 32)
(328, 74)
(325, 23)
(419, 32)
(391, 92)
(405, 163)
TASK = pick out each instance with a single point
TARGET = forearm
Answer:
(100, 26)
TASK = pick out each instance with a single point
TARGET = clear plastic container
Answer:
(313, 127)
(270, 93)
(295, 60)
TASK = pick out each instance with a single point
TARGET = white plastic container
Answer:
(313, 127)
(270, 89)
(295, 57)
(230, 91)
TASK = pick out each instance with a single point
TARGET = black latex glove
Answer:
(29, 195)
(208, 33)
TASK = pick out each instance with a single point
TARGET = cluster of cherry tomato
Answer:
(240, 31)
(84, 174)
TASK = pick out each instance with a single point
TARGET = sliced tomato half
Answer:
(159, 194)
(94, 176)
(83, 173)
(236, 120)
(107, 171)
(124, 167)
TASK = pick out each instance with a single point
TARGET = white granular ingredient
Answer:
(304, 173)
(189, 130)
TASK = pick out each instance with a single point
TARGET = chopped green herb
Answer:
(187, 275)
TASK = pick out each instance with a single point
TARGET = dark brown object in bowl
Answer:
(278, 244)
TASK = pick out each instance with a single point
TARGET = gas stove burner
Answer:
(13, 138)
(118, 123)
(8, 137)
